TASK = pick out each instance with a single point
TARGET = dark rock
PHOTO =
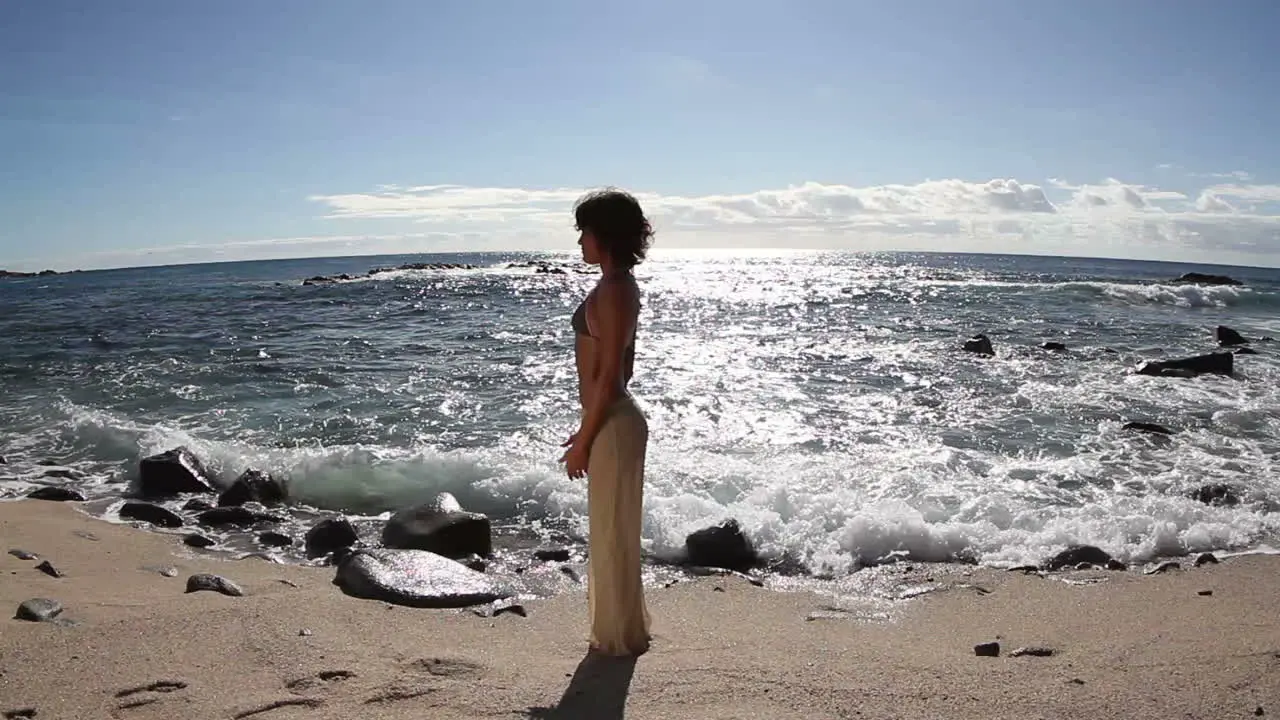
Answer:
(1024, 569)
(197, 505)
(275, 539)
(1219, 494)
(1032, 651)
(171, 473)
(1228, 337)
(1205, 559)
(475, 562)
(1206, 279)
(236, 515)
(213, 583)
(1077, 554)
(148, 512)
(1163, 568)
(441, 527)
(1204, 593)
(39, 610)
(20, 714)
(1116, 565)
(253, 486)
(415, 578)
(991, 649)
(197, 540)
(57, 494)
(329, 536)
(63, 473)
(1084, 566)
(1147, 428)
(23, 554)
(979, 344)
(1054, 346)
(722, 546)
(1246, 351)
(1213, 363)
(1259, 711)
(552, 554)
(3, 461)
(47, 568)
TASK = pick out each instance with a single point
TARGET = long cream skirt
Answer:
(615, 494)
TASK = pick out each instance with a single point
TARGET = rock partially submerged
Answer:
(979, 345)
(1076, 554)
(238, 516)
(253, 486)
(55, 493)
(441, 527)
(1147, 427)
(157, 515)
(1219, 494)
(1228, 337)
(415, 578)
(1207, 279)
(721, 546)
(172, 473)
(330, 535)
(1213, 363)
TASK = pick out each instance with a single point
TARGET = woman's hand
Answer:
(576, 457)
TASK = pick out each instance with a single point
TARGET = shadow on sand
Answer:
(598, 691)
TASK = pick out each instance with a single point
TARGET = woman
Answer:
(609, 446)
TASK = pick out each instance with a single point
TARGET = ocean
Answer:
(820, 398)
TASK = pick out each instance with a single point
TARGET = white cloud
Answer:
(1108, 218)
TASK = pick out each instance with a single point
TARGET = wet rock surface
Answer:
(721, 546)
(173, 473)
(416, 578)
(441, 527)
(157, 515)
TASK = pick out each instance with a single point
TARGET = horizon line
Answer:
(847, 251)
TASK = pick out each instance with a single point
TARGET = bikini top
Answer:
(579, 323)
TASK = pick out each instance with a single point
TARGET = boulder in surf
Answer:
(440, 526)
(173, 472)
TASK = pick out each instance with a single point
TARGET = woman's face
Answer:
(590, 247)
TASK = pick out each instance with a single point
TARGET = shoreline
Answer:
(1126, 646)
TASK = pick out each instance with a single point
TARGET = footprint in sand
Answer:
(141, 695)
(277, 705)
(445, 667)
(320, 681)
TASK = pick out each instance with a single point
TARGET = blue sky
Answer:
(163, 131)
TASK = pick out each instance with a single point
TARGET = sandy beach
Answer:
(135, 645)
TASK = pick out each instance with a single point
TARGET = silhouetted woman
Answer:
(609, 446)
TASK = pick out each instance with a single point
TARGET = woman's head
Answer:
(613, 225)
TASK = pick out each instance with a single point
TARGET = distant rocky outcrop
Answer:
(344, 277)
(1205, 279)
(17, 274)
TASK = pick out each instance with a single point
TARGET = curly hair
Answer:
(618, 223)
